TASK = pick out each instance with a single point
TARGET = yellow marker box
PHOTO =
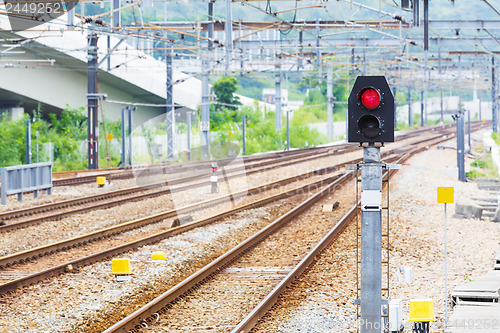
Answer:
(120, 266)
(445, 195)
(159, 255)
(421, 310)
(109, 137)
(101, 181)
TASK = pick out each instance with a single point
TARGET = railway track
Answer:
(58, 210)
(88, 176)
(201, 167)
(22, 257)
(237, 282)
(118, 197)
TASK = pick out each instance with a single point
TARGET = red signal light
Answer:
(370, 98)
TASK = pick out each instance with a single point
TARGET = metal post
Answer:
(28, 141)
(229, 32)
(494, 115)
(115, 20)
(445, 268)
(318, 50)
(416, 18)
(410, 116)
(277, 95)
(287, 130)
(301, 50)
(130, 135)
(92, 101)
(170, 109)
(468, 130)
(188, 115)
(480, 116)
(329, 101)
(124, 151)
(210, 24)
(460, 148)
(426, 25)
(205, 110)
(71, 17)
(394, 92)
(37, 134)
(244, 134)
(421, 108)
(371, 241)
(440, 86)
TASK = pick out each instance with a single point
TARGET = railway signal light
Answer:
(370, 111)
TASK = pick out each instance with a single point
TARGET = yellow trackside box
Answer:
(101, 181)
(159, 255)
(421, 310)
(445, 195)
(120, 266)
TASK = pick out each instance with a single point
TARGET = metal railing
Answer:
(25, 178)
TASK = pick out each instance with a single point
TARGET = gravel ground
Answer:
(221, 303)
(89, 300)
(323, 298)
(68, 192)
(41, 308)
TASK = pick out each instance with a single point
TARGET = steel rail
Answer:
(80, 201)
(266, 304)
(117, 173)
(160, 304)
(148, 314)
(129, 173)
(83, 200)
(120, 249)
(20, 257)
(39, 276)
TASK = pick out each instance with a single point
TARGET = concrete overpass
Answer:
(48, 64)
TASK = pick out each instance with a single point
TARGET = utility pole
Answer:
(170, 109)
(461, 147)
(124, 151)
(410, 116)
(130, 134)
(277, 95)
(440, 86)
(318, 50)
(329, 101)
(394, 92)
(244, 134)
(205, 109)
(494, 110)
(205, 88)
(229, 34)
(188, 121)
(287, 130)
(301, 50)
(421, 108)
(28, 141)
(92, 104)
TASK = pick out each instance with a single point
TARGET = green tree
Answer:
(224, 89)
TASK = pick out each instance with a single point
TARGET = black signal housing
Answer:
(370, 116)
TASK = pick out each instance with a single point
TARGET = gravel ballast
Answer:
(324, 297)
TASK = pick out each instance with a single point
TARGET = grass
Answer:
(483, 168)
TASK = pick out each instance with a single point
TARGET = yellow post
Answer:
(445, 195)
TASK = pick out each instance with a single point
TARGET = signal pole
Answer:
(92, 103)
(277, 96)
(371, 240)
(329, 101)
(371, 121)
